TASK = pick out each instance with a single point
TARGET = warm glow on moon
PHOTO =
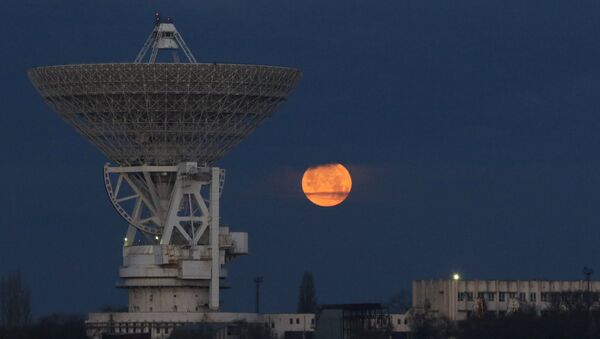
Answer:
(327, 185)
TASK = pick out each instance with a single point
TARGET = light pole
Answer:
(588, 272)
(257, 282)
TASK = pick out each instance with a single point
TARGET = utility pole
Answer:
(257, 282)
(588, 272)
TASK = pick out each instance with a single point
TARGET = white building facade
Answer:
(457, 299)
(160, 325)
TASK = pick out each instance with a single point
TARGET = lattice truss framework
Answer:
(164, 114)
(168, 204)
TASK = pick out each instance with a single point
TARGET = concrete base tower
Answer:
(177, 267)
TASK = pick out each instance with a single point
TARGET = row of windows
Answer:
(136, 308)
(400, 321)
(139, 328)
(151, 296)
(312, 322)
(504, 296)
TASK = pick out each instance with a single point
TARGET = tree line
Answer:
(16, 320)
(15, 298)
(568, 316)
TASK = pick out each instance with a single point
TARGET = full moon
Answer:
(327, 185)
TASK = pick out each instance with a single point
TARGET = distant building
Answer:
(355, 321)
(160, 325)
(458, 299)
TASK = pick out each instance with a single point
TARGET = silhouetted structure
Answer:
(353, 321)
(307, 296)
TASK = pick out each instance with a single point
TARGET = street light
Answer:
(257, 281)
(456, 276)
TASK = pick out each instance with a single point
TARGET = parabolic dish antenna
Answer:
(165, 125)
(164, 114)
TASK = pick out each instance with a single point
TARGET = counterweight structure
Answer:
(164, 125)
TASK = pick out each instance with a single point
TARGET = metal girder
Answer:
(186, 50)
(149, 42)
(161, 207)
(132, 217)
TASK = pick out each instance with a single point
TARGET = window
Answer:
(512, 295)
(399, 321)
(297, 320)
(491, 296)
(544, 296)
(533, 296)
(272, 325)
(522, 296)
(461, 296)
(312, 321)
(291, 321)
(501, 296)
(469, 296)
(479, 295)
(405, 321)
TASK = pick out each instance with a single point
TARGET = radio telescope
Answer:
(164, 125)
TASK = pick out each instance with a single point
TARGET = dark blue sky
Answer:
(470, 128)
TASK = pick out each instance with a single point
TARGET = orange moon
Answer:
(327, 185)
